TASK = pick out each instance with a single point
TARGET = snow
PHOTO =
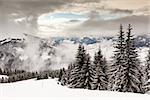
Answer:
(4, 76)
(66, 52)
(50, 89)
(142, 52)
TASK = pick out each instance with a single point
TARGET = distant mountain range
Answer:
(140, 40)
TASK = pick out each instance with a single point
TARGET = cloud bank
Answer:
(72, 17)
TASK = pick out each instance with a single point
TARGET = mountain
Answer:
(34, 53)
(25, 54)
(9, 57)
(140, 40)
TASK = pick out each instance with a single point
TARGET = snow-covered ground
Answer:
(4, 76)
(50, 89)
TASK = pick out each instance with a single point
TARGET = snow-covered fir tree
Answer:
(64, 77)
(148, 65)
(60, 75)
(147, 72)
(117, 70)
(86, 72)
(76, 76)
(99, 76)
(70, 67)
(1, 71)
(133, 74)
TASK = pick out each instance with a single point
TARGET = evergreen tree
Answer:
(133, 75)
(148, 65)
(70, 67)
(147, 72)
(1, 72)
(76, 75)
(60, 75)
(86, 72)
(64, 77)
(117, 70)
(99, 76)
(2, 80)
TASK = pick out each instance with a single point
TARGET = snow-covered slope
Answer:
(28, 54)
(50, 88)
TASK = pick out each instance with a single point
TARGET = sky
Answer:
(69, 18)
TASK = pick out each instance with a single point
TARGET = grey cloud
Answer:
(94, 15)
(115, 10)
(30, 10)
(140, 24)
(74, 21)
(13, 9)
(86, 1)
(144, 10)
(121, 11)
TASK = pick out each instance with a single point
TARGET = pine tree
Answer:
(148, 65)
(133, 75)
(2, 80)
(117, 72)
(64, 77)
(99, 76)
(76, 75)
(60, 75)
(147, 72)
(86, 72)
(70, 67)
(1, 72)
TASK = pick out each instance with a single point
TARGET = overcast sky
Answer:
(73, 17)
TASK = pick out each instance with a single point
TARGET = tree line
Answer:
(124, 74)
(20, 75)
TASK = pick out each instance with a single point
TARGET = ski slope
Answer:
(50, 89)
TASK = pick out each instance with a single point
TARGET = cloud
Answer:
(140, 25)
(30, 10)
(19, 16)
(121, 11)
(74, 21)
(126, 4)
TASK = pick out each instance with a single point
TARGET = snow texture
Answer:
(50, 89)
